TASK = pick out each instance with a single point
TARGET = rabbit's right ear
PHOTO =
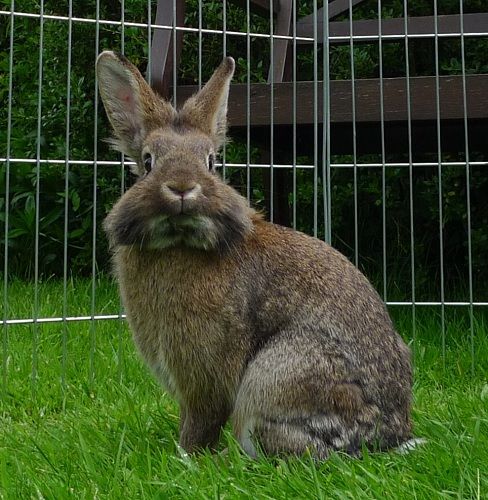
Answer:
(132, 107)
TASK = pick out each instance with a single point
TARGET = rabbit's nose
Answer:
(184, 191)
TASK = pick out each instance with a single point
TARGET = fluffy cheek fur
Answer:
(142, 218)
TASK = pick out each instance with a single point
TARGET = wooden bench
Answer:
(367, 91)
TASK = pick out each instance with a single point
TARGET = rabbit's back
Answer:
(330, 371)
(303, 284)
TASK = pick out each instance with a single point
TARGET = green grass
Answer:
(80, 417)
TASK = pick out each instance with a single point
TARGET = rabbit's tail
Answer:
(410, 445)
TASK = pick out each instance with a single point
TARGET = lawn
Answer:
(82, 418)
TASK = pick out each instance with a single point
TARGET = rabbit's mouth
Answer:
(212, 229)
(194, 231)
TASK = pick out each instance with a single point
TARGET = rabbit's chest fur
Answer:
(191, 336)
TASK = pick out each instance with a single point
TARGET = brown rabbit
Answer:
(238, 317)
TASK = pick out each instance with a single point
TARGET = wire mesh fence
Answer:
(360, 122)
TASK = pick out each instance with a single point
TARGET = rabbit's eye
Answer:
(147, 162)
(211, 162)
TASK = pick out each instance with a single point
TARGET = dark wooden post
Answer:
(162, 63)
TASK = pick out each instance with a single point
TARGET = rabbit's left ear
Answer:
(207, 110)
(132, 107)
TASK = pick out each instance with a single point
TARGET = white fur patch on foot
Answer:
(245, 438)
(410, 445)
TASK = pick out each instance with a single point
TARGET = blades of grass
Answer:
(119, 454)
(313, 470)
(45, 456)
(86, 453)
(100, 459)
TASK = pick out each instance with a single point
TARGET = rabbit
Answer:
(239, 318)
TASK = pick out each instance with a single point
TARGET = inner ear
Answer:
(125, 96)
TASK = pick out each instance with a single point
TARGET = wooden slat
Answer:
(259, 6)
(424, 25)
(367, 100)
(161, 46)
(337, 7)
(281, 46)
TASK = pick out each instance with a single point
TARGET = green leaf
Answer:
(75, 200)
